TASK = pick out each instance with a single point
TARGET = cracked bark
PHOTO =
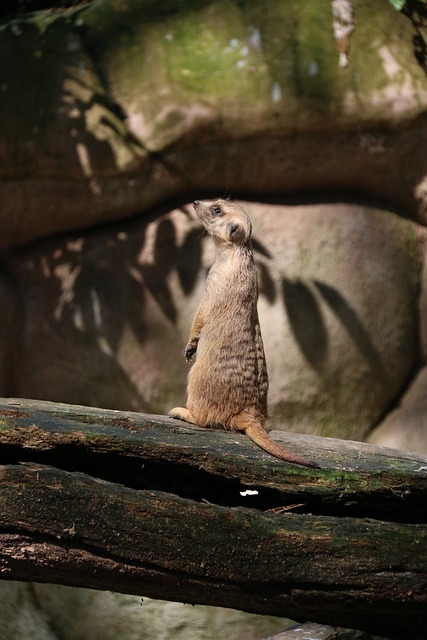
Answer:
(150, 506)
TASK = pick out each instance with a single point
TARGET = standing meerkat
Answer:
(228, 384)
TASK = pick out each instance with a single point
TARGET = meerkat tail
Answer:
(259, 435)
(253, 428)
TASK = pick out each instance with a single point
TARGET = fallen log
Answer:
(148, 505)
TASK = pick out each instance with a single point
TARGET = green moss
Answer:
(202, 60)
(243, 55)
(260, 59)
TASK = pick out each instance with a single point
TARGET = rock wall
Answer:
(46, 612)
(114, 116)
(104, 315)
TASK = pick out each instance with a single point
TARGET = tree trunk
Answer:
(148, 505)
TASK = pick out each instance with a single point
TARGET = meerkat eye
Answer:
(216, 209)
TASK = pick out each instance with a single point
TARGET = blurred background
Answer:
(114, 116)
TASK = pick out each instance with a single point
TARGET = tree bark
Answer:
(148, 505)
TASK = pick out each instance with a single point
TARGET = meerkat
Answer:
(228, 383)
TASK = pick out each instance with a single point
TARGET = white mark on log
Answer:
(276, 92)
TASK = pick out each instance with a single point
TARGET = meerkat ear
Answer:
(236, 232)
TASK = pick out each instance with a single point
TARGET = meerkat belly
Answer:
(223, 380)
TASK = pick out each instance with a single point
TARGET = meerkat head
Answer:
(226, 221)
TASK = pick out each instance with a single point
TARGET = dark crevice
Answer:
(189, 482)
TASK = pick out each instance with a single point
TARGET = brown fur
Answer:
(228, 384)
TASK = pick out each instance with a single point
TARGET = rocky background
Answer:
(116, 114)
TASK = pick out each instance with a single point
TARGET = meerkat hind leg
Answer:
(181, 413)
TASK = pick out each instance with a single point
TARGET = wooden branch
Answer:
(151, 506)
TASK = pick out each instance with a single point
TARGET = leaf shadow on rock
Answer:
(258, 247)
(267, 286)
(416, 11)
(92, 289)
(308, 325)
(189, 260)
(354, 326)
(112, 264)
(306, 322)
(155, 275)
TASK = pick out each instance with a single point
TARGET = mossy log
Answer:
(146, 505)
